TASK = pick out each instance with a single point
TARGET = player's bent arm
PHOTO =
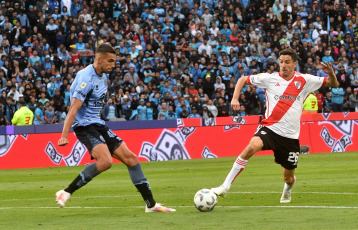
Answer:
(331, 81)
(76, 104)
(238, 88)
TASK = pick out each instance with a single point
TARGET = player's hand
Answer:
(327, 68)
(235, 104)
(63, 141)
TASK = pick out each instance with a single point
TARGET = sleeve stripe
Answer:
(324, 82)
(248, 80)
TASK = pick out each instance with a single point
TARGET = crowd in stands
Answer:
(175, 58)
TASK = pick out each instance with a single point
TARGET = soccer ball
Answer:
(205, 200)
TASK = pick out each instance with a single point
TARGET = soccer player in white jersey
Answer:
(279, 131)
(87, 96)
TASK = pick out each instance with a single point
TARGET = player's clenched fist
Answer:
(63, 141)
(235, 105)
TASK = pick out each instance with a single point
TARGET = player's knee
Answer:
(131, 160)
(107, 163)
(288, 179)
(249, 151)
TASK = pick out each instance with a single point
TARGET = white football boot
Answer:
(220, 191)
(62, 197)
(159, 208)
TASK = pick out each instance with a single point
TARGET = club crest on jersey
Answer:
(83, 85)
(297, 84)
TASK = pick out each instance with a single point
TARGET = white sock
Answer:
(288, 187)
(238, 166)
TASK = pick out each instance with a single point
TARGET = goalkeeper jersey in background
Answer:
(23, 116)
(311, 104)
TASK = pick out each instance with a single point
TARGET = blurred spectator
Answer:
(162, 112)
(337, 99)
(194, 113)
(346, 104)
(109, 111)
(327, 57)
(39, 115)
(14, 92)
(206, 112)
(354, 78)
(9, 110)
(353, 101)
(342, 77)
(242, 111)
(327, 106)
(149, 111)
(212, 108)
(170, 114)
(320, 100)
(50, 114)
(142, 110)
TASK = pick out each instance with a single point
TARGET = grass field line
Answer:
(184, 206)
(169, 194)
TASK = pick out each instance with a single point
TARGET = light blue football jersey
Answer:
(90, 88)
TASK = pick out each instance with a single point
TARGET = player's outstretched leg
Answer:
(85, 176)
(136, 174)
(254, 146)
(290, 180)
(104, 162)
(236, 169)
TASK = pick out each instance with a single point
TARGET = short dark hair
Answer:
(22, 102)
(105, 48)
(289, 52)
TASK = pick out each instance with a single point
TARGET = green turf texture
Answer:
(325, 184)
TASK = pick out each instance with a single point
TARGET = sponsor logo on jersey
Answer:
(263, 132)
(252, 79)
(278, 84)
(83, 85)
(287, 97)
(297, 84)
(80, 93)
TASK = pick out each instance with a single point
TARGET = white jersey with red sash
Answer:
(284, 100)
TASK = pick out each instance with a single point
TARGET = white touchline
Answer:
(131, 207)
(169, 194)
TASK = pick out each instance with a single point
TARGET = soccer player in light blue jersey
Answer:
(87, 94)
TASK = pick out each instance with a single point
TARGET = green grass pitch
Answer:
(324, 197)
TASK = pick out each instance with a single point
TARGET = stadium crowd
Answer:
(175, 58)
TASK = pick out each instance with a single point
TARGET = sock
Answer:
(85, 176)
(236, 169)
(288, 187)
(141, 183)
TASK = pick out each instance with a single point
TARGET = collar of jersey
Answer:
(95, 71)
(294, 72)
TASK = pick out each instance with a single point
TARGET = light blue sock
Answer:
(141, 183)
(85, 176)
(88, 174)
(137, 175)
